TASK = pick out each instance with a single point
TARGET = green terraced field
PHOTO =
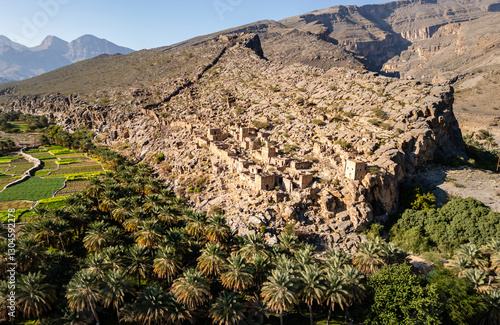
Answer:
(19, 166)
(33, 189)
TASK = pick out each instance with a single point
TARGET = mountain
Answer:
(428, 40)
(18, 62)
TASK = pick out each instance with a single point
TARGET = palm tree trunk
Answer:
(329, 315)
(62, 243)
(92, 308)
(118, 315)
(281, 317)
(311, 313)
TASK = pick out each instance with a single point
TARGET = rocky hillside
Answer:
(271, 132)
(18, 62)
(431, 40)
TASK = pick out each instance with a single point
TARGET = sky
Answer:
(143, 24)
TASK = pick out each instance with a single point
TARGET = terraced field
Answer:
(64, 172)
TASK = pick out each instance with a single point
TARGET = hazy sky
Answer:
(140, 24)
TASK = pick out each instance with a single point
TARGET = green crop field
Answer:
(50, 164)
(7, 159)
(5, 179)
(19, 166)
(33, 189)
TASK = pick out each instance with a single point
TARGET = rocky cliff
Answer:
(268, 141)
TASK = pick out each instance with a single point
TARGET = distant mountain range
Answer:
(18, 62)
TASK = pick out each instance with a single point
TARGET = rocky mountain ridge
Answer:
(270, 141)
(18, 62)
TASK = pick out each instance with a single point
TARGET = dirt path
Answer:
(463, 182)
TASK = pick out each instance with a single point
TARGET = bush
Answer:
(397, 296)
(260, 124)
(458, 222)
(159, 157)
(318, 122)
(344, 144)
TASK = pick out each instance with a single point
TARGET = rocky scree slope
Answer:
(316, 120)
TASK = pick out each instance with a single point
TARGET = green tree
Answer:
(227, 309)
(191, 288)
(114, 288)
(279, 292)
(34, 295)
(399, 297)
(83, 293)
(212, 260)
(238, 275)
(335, 293)
(167, 262)
(459, 302)
(311, 287)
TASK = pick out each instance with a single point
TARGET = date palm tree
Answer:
(492, 314)
(279, 292)
(138, 261)
(335, 293)
(135, 220)
(121, 210)
(95, 238)
(253, 245)
(29, 254)
(177, 313)
(227, 309)
(288, 243)
(311, 287)
(353, 279)
(152, 201)
(114, 288)
(4, 301)
(114, 257)
(238, 275)
(304, 256)
(369, 256)
(196, 223)
(149, 234)
(34, 295)
(217, 229)
(96, 264)
(261, 265)
(150, 308)
(212, 260)
(256, 308)
(83, 293)
(167, 215)
(167, 262)
(95, 187)
(472, 253)
(476, 277)
(191, 288)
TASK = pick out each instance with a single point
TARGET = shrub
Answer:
(344, 144)
(159, 157)
(458, 222)
(260, 124)
(318, 122)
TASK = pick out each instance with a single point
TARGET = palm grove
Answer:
(127, 249)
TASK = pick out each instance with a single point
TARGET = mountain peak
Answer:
(53, 43)
(52, 53)
(88, 46)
